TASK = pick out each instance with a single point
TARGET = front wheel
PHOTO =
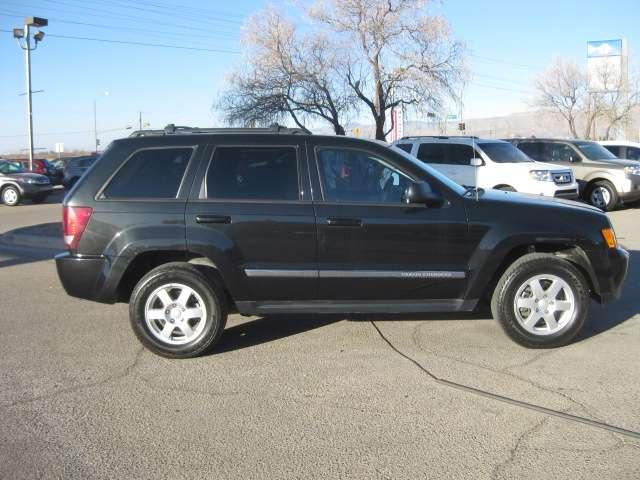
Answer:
(11, 196)
(541, 301)
(602, 194)
(176, 312)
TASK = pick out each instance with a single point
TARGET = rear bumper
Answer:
(612, 273)
(84, 277)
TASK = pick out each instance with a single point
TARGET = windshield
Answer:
(503, 152)
(594, 151)
(10, 167)
(426, 168)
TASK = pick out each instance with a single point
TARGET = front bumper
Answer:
(35, 190)
(569, 191)
(630, 189)
(83, 277)
(611, 271)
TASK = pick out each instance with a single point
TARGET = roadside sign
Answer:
(59, 147)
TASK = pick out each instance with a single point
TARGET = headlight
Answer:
(633, 170)
(541, 175)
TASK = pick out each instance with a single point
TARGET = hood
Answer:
(529, 200)
(616, 163)
(23, 176)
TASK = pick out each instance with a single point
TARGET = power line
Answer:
(507, 62)
(127, 5)
(110, 27)
(76, 132)
(496, 87)
(142, 44)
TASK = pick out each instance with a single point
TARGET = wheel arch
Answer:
(570, 252)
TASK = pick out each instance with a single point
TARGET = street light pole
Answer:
(27, 56)
(18, 34)
(95, 126)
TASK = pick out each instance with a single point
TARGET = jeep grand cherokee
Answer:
(189, 224)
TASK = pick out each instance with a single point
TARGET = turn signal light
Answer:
(74, 221)
(609, 237)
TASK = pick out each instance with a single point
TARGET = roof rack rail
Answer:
(172, 129)
(408, 137)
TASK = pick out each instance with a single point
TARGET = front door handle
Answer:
(344, 222)
(213, 219)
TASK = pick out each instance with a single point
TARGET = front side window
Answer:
(253, 173)
(150, 173)
(633, 153)
(561, 152)
(594, 151)
(532, 150)
(350, 175)
(615, 149)
(405, 146)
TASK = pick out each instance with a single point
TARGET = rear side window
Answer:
(151, 173)
(405, 146)
(445, 153)
(253, 173)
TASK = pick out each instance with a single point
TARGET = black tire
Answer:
(211, 294)
(11, 196)
(591, 195)
(526, 267)
(39, 198)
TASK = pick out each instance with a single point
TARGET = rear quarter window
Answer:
(150, 173)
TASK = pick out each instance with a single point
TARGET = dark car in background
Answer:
(74, 168)
(46, 168)
(16, 183)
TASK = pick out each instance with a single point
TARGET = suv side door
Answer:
(372, 246)
(250, 213)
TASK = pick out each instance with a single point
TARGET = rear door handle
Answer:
(344, 222)
(213, 219)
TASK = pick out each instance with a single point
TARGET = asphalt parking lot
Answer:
(304, 396)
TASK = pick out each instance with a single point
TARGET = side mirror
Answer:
(421, 193)
(476, 162)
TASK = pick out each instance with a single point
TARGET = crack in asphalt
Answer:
(504, 399)
(83, 386)
(499, 468)
(418, 343)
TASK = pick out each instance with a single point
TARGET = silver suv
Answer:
(606, 180)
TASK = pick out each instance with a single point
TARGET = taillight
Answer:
(74, 221)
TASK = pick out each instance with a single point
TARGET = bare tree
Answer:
(562, 88)
(287, 75)
(619, 97)
(399, 55)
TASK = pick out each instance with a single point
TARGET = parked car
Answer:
(75, 168)
(501, 165)
(16, 184)
(623, 148)
(193, 223)
(606, 180)
(44, 167)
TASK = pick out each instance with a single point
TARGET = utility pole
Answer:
(95, 126)
(139, 120)
(24, 34)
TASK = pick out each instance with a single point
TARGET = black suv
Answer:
(189, 224)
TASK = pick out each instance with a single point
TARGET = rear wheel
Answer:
(541, 301)
(177, 312)
(602, 194)
(11, 196)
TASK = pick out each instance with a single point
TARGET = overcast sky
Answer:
(509, 43)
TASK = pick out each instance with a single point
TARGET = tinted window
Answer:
(616, 150)
(594, 151)
(267, 173)
(633, 153)
(350, 175)
(503, 152)
(10, 167)
(405, 146)
(445, 153)
(533, 150)
(152, 173)
(560, 152)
